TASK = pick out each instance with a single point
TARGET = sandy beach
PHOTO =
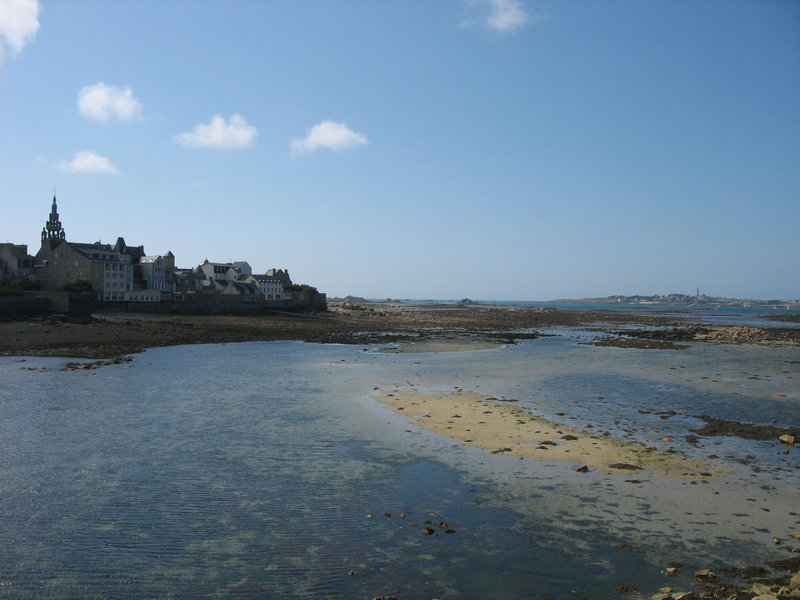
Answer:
(499, 427)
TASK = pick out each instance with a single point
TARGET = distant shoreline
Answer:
(107, 335)
(673, 301)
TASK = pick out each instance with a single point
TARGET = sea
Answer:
(271, 470)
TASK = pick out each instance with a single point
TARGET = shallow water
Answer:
(264, 470)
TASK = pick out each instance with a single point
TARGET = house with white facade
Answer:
(269, 285)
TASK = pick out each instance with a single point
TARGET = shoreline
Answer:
(399, 329)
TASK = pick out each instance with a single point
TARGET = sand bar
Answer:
(501, 427)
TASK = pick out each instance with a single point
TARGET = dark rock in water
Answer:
(499, 450)
(624, 467)
(429, 531)
(748, 431)
(787, 564)
(583, 469)
(624, 587)
(743, 572)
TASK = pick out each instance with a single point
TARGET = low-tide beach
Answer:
(578, 434)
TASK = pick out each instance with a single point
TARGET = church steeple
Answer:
(53, 229)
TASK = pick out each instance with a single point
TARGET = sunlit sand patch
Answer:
(502, 428)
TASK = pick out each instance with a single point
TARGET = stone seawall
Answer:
(220, 304)
(33, 303)
(81, 305)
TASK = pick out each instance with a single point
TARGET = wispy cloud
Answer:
(502, 15)
(19, 22)
(218, 133)
(87, 162)
(101, 101)
(327, 134)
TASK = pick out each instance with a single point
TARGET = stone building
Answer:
(15, 262)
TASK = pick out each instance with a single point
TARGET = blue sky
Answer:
(495, 149)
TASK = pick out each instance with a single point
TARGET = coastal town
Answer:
(124, 274)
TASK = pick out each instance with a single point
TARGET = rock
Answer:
(705, 575)
(429, 531)
(624, 467)
(766, 592)
(794, 583)
(787, 439)
(796, 535)
(670, 571)
(569, 437)
(787, 564)
(661, 596)
(583, 469)
(684, 596)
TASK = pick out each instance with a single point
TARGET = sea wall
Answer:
(81, 305)
(33, 303)
(219, 304)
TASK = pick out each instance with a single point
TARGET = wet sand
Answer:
(503, 428)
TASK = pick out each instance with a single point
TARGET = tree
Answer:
(79, 285)
(301, 287)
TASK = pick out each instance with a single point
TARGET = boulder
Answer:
(787, 439)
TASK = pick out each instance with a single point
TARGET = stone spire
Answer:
(53, 229)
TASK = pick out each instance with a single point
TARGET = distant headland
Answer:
(685, 300)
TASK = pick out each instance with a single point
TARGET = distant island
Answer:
(685, 300)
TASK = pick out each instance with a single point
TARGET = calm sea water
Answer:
(267, 470)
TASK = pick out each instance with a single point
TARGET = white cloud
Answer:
(102, 101)
(328, 134)
(218, 133)
(19, 22)
(88, 162)
(503, 16)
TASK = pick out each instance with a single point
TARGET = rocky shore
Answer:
(106, 335)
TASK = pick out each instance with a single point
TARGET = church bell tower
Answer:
(53, 230)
